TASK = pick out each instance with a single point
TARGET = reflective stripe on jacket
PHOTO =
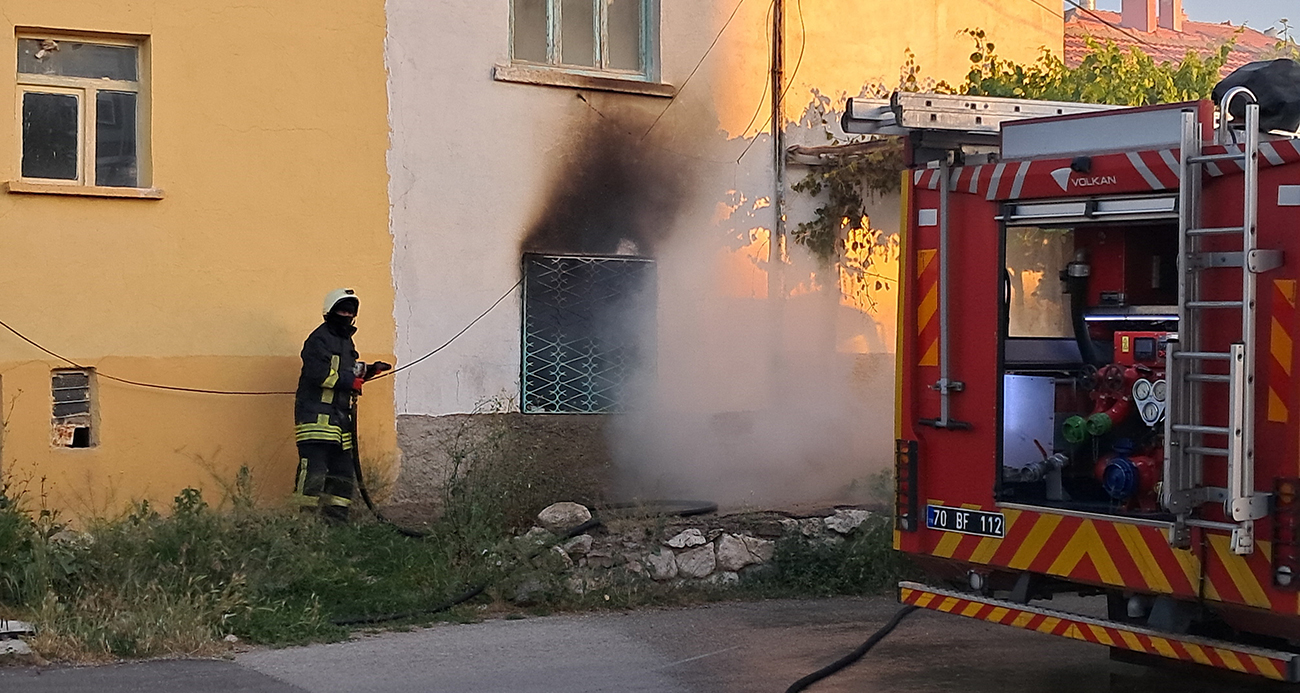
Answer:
(321, 405)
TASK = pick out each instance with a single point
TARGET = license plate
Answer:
(977, 522)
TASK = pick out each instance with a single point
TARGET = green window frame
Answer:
(603, 37)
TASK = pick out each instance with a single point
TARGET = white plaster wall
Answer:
(471, 161)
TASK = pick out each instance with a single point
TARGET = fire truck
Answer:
(1097, 385)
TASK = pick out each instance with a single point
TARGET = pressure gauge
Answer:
(1158, 390)
(1142, 389)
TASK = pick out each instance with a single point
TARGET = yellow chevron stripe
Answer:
(972, 609)
(1041, 532)
(1277, 409)
(1280, 345)
(1239, 571)
(1230, 659)
(1163, 647)
(1023, 618)
(997, 614)
(1188, 561)
(905, 593)
(1073, 632)
(1267, 667)
(948, 604)
(926, 309)
(923, 259)
(983, 553)
(947, 544)
(1286, 287)
(1131, 641)
(924, 600)
(1143, 558)
(1086, 542)
(931, 355)
(1198, 654)
(1048, 624)
(1100, 635)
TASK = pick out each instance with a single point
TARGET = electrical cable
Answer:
(798, 63)
(210, 391)
(136, 383)
(673, 100)
(456, 336)
(1112, 25)
(850, 658)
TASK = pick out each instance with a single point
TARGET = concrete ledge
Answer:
(559, 77)
(25, 187)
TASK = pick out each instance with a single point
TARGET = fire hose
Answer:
(678, 508)
(839, 664)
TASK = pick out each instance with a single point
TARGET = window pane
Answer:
(530, 30)
(1035, 259)
(624, 50)
(76, 59)
(50, 136)
(579, 20)
(115, 158)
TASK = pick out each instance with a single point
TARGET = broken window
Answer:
(73, 413)
(604, 35)
(588, 329)
(80, 104)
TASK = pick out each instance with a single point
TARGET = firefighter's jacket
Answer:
(322, 405)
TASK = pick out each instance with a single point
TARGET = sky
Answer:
(1259, 14)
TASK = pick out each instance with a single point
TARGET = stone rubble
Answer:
(707, 550)
(559, 518)
(845, 521)
(687, 539)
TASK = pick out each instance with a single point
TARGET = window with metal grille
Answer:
(73, 413)
(588, 327)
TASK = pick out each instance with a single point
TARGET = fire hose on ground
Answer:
(852, 657)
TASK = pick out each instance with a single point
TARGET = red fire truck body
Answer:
(1097, 383)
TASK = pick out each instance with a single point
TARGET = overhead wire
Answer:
(798, 63)
(213, 391)
(1110, 24)
(700, 62)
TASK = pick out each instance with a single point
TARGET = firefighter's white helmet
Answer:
(334, 297)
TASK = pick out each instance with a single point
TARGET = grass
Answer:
(176, 582)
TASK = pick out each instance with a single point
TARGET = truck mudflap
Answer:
(1272, 664)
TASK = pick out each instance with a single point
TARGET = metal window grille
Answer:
(586, 320)
(72, 408)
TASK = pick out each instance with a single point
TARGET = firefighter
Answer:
(323, 409)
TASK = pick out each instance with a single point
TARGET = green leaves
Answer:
(1107, 74)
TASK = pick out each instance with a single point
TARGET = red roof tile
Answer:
(1163, 45)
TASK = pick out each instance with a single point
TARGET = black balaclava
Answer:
(342, 323)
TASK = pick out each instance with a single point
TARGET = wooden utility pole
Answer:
(776, 249)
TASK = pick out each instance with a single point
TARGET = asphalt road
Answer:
(733, 647)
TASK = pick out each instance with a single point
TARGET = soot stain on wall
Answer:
(612, 194)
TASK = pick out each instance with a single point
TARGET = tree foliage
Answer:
(1107, 74)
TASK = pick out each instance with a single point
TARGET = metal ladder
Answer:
(1185, 450)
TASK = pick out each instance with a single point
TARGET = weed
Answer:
(864, 563)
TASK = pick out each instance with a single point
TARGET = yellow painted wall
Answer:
(837, 46)
(269, 132)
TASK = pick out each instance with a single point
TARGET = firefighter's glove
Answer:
(357, 382)
(374, 369)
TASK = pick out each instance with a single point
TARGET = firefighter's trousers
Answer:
(324, 478)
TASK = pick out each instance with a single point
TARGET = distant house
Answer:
(1162, 32)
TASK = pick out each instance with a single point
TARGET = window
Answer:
(73, 413)
(587, 323)
(601, 35)
(79, 105)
